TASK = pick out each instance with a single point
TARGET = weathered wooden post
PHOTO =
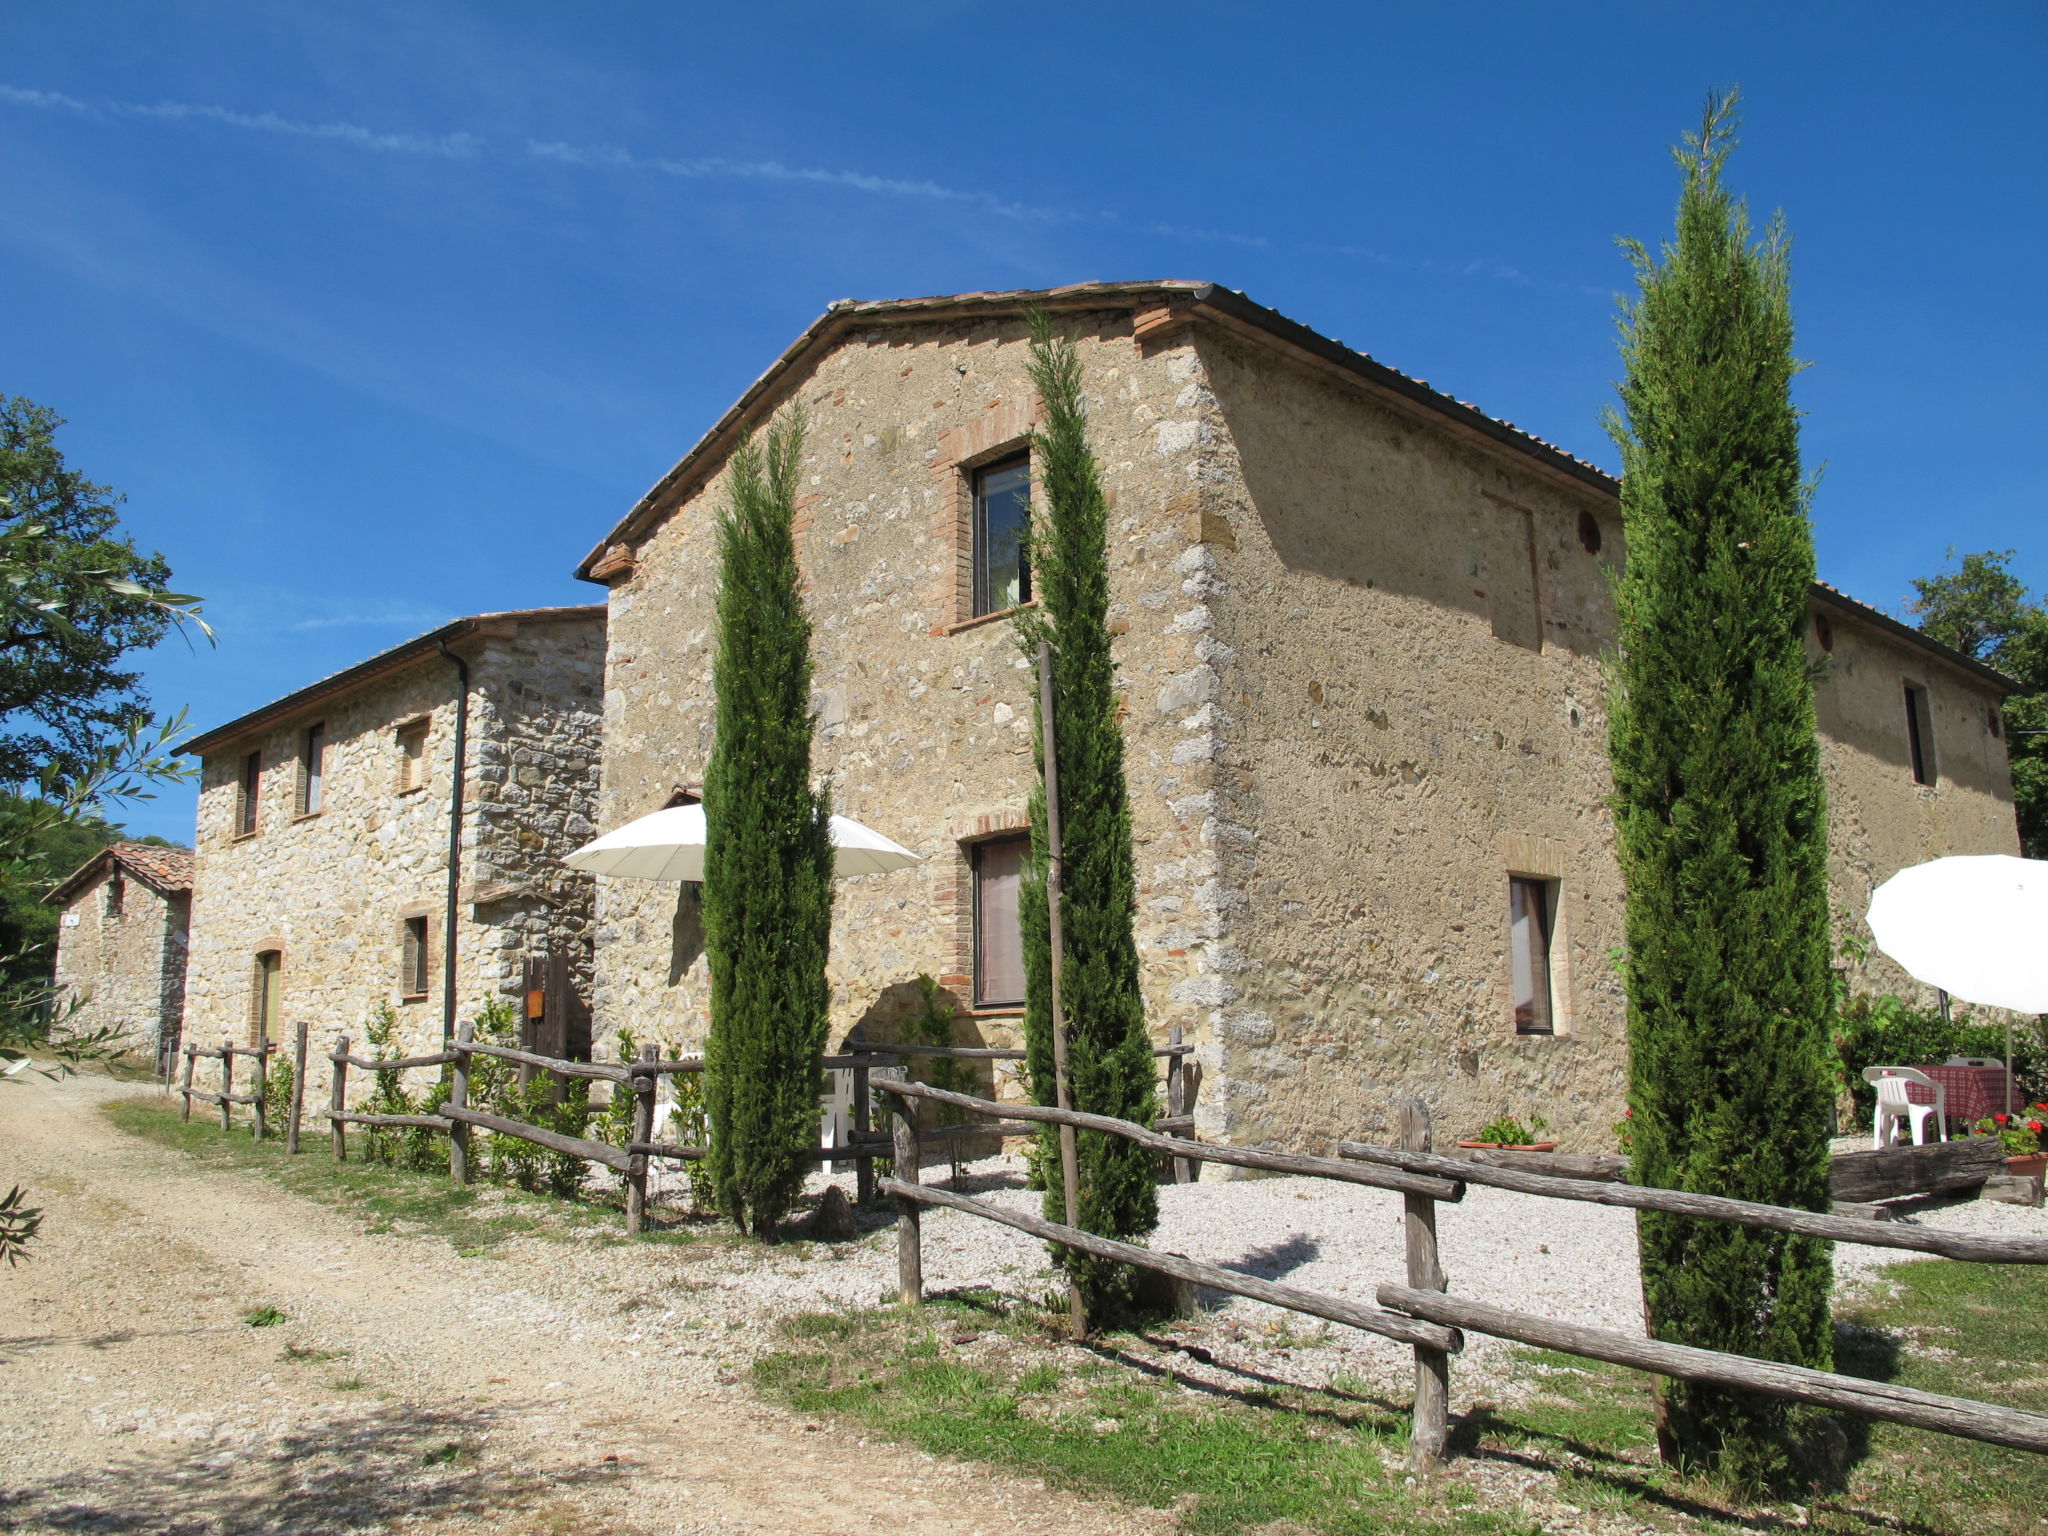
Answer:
(1425, 1273)
(262, 1087)
(338, 1096)
(1185, 1169)
(291, 1130)
(909, 1214)
(227, 1077)
(643, 1130)
(458, 1098)
(863, 1117)
(191, 1061)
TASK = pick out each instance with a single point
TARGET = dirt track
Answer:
(135, 1398)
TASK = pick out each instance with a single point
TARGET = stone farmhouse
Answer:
(1361, 632)
(121, 939)
(394, 833)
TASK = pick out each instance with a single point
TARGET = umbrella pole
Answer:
(1069, 1172)
(2008, 1063)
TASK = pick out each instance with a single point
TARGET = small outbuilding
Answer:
(121, 944)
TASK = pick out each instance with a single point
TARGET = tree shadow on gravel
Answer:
(395, 1463)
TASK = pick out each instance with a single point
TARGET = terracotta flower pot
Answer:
(2032, 1166)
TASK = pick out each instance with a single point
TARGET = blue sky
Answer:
(383, 313)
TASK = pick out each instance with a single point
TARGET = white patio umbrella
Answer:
(669, 845)
(1974, 925)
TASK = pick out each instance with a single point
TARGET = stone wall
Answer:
(332, 890)
(1359, 654)
(126, 965)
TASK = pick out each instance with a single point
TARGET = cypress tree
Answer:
(768, 852)
(1720, 811)
(1109, 1055)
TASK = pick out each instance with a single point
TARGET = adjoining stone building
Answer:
(346, 829)
(1360, 633)
(121, 939)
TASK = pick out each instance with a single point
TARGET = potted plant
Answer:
(2021, 1139)
(1507, 1134)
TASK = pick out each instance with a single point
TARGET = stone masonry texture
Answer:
(331, 891)
(1359, 650)
(121, 940)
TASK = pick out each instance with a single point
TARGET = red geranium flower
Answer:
(2003, 1119)
(2036, 1127)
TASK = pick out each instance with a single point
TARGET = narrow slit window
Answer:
(1002, 513)
(998, 928)
(266, 998)
(1529, 923)
(251, 794)
(412, 964)
(412, 757)
(1919, 735)
(313, 789)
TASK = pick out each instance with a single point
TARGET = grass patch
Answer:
(385, 1198)
(1331, 1465)
(265, 1317)
(297, 1352)
(980, 1381)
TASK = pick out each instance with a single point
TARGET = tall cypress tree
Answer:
(1720, 811)
(1109, 1055)
(768, 852)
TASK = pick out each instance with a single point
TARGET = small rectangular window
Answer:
(313, 761)
(117, 890)
(412, 757)
(251, 795)
(998, 928)
(1919, 735)
(412, 965)
(1529, 924)
(1002, 513)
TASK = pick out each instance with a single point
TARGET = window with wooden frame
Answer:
(313, 769)
(999, 864)
(117, 892)
(249, 795)
(266, 995)
(412, 756)
(414, 961)
(1919, 734)
(1002, 514)
(1532, 908)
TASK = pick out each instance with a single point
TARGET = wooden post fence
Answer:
(863, 1116)
(1185, 1170)
(643, 1127)
(909, 1215)
(291, 1133)
(191, 1060)
(1425, 1273)
(458, 1098)
(227, 1077)
(338, 1098)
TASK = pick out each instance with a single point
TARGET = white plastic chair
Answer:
(1893, 1105)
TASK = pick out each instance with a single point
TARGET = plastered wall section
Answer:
(1410, 712)
(1880, 820)
(332, 890)
(924, 716)
(127, 968)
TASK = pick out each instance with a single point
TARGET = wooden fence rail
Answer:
(225, 1053)
(1967, 1246)
(1427, 1177)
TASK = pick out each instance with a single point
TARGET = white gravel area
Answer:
(1561, 1259)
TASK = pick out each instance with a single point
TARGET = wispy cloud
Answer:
(607, 157)
(420, 622)
(447, 146)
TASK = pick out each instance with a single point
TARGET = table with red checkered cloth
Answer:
(1973, 1092)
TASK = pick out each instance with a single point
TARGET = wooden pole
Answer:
(261, 1128)
(337, 1096)
(291, 1130)
(1425, 1273)
(227, 1077)
(1077, 1308)
(909, 1216)
(458, 1095)
(643, 1128)
(863, 1118)
(1185, 1170)
(191, 1060)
